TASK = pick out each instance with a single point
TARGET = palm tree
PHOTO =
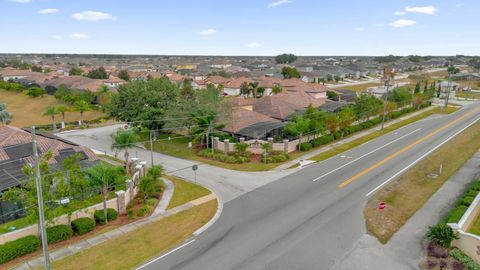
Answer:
(81, 106)
(51, 111)
(5, 116)
(244, 89)
(253, 87)
(124, 140)
(62, 109)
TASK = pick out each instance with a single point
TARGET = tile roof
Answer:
(242, 118)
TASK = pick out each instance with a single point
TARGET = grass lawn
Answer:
(469, 95)
(134, 248)
(185, 191)
(475, 227)
(358, 87)
(28, 111)
(408, 193)
(347, 146)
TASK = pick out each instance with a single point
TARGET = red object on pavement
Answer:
(381, 206)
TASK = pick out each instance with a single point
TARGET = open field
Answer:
(28, 111)
(347, 146)
(185, 191)
(359, 87)
(132, 249)
(408, 193)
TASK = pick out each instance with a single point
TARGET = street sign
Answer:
(195, 167)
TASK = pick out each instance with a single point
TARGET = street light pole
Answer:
(387, 85)
(43, 232)
(151, 147)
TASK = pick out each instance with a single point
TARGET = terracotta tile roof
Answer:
(297, 85)
(268, 82)
(236, 83)
(242, 118)
(241, 101)
(77, 82)
(217, 80)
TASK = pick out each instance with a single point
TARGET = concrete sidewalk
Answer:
(405, 249)
(98, 239)
(348, 139)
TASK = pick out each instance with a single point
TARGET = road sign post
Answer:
(194, 169)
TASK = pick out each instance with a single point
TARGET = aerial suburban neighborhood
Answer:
(217, 135)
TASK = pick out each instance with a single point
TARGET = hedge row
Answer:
(276, 157)
(220, 156)
(463, 203)
(325, 139)
(464, 260)
(59, 233)
(18, 248)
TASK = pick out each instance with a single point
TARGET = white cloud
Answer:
(92, 16)
(430, 10)
(279, 3)
(399, 13)
(78, 36)
(207, 32)
(359, 28)
(57, 37)
(403, 23)
(254, 45)
(48, 11)
(21, 1)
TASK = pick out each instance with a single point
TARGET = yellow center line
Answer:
(399, 152)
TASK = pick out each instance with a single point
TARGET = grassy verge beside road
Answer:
(408, 193)
(467, 95)
(29, 111)
(130, 250)
(185, 191)
(347, 146)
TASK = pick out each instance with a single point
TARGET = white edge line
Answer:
(420, 158)
(166, 254)
(373, 151)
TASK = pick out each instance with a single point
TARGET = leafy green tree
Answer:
(5, 116)
(75, 71)
(298, 127)
(253, 88)
(51, 111)
(329, 77)
(105, 177)
(290, 72)
(261, 91)
(345, 118)
(36, 69)
(123, 74)
(332, 95)
(286, 58)
(99, 73)
(124, 140)
(401, 95)
(442, 235)
(276, 89)
(331, 122)
(317, 120)
(337, 78)
(145, 103)
(322, 80)
(452, 70)
(366, 106)
(81, 106)
(35, 92)
(186, 88)
(417, 88)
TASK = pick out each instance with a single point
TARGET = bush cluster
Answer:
(233, 158)
(276, 157)
(19, 247)
(305, 146)
(464, 259)
(59, 233)
(82, 226)
(463, 203)
(99, 216)
(11, 86)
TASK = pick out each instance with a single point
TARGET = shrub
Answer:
(146, 209)
(475, 186)
(230, 159)
(82, 226)
(464, 259)
(456, 214)
(19, 247)
(305, 146)
(467, 200)
(59, 233)
(442, 235)
(99, 215)
(131, 214)
(35, 92)
(325, 139)
(151, 202)
(472, 193)
(337, 135)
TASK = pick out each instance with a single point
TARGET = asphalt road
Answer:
(310, 219)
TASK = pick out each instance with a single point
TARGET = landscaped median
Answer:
(408, 193)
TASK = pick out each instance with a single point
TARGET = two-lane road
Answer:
(310, 219)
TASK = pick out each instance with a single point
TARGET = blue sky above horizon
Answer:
(241, 27)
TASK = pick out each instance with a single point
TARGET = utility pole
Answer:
(43, 232)
(151, 147)
(387, 86)
(448, 90)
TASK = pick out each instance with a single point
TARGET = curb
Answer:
(214, 219)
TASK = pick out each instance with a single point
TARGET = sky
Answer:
(241, 27)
